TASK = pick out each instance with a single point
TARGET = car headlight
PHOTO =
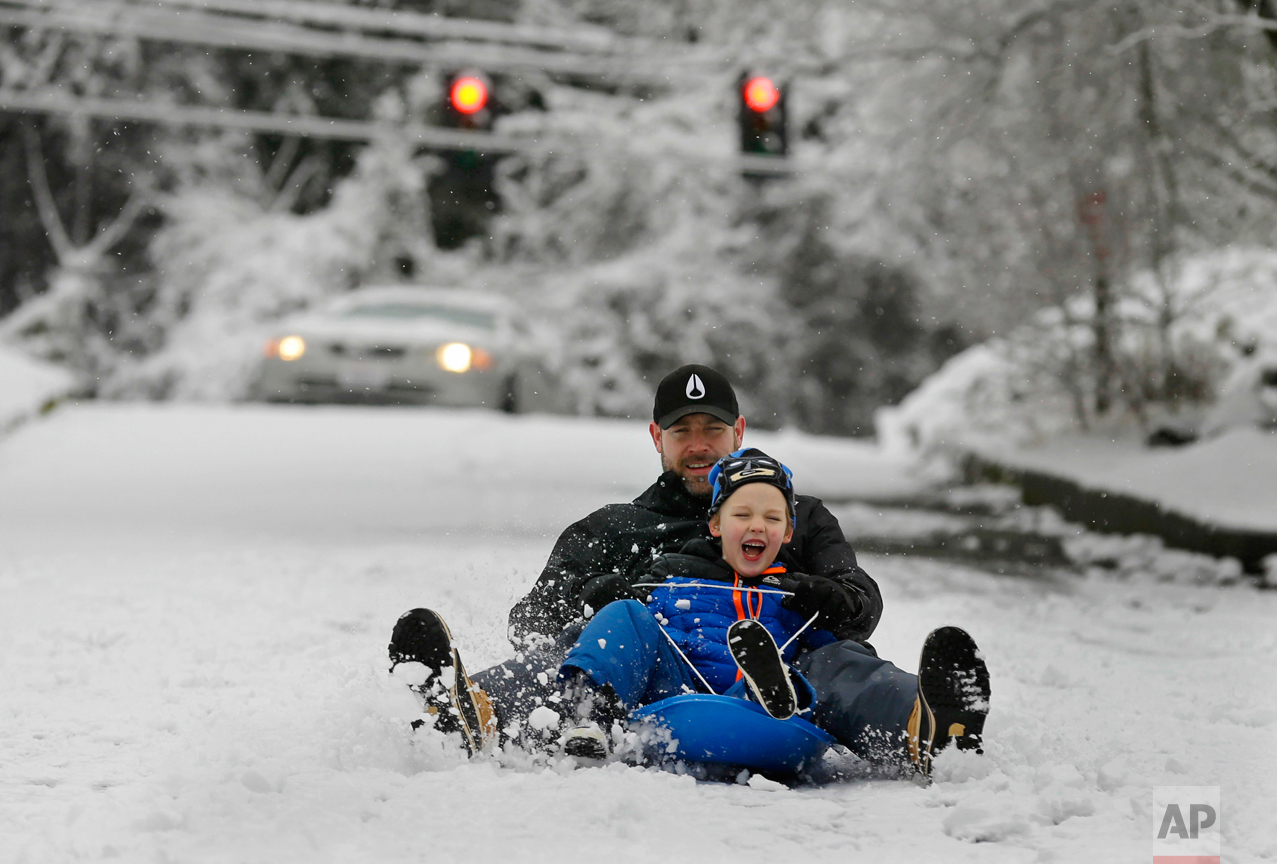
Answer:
(454, 357)
(287, 348)
(291, 348)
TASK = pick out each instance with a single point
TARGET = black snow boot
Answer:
(421, 636)
(953, 697)
(590, 712)
(755, 652)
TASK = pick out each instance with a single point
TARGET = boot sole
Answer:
(438, 637)
(953, 689)
(586, 744)
(759, 660)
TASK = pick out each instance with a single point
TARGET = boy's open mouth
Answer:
(753, 549)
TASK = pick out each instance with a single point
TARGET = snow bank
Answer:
(27, 386)
(1226, 481)
(1143, 556)
(982, 396)
(1036, 382)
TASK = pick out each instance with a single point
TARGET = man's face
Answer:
(692, 444)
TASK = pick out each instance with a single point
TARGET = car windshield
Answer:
(452, 314)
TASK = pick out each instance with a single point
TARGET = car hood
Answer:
(380, 330)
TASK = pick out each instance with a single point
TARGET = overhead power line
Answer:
(580, 38)
(303, 125)
(397, 38)
(417, 134)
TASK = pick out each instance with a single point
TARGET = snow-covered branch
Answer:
(46, 207)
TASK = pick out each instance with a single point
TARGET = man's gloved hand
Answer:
(839, 607)
(598, 591)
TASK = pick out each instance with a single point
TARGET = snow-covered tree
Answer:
(967, 164)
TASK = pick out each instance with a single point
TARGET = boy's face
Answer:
(753, 523)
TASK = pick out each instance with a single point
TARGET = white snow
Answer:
(1229, 480)
(544, 717)
(1034, 383)
(197, 602)
(982, 396)
(27, 385)
(414, 674)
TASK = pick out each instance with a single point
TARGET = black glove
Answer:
(598, 591)
(839, 607)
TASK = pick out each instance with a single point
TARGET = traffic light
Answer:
(467, 103)
(463, 194)
(762, 116)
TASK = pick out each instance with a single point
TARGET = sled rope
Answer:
(789, 641)
(720, 587)
(685, 660)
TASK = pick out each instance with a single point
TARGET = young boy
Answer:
(724, 617)
(712, 622)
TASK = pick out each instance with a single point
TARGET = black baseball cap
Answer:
(694, 389)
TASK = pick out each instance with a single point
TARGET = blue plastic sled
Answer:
(724, 730)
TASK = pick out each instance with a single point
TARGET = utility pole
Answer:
(1091, 213)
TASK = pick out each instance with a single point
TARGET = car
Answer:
(398, 345)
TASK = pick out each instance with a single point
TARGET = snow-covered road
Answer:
(196, 603)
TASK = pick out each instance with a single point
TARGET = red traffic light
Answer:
(760, 94)
(468, 95)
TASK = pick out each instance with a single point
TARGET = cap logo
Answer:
(695, 387)
(752, 472)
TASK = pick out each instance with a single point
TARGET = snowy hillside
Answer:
(26, 386)
(1209, 332)
(197, 602)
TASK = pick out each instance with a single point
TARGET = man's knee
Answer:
(842, 660)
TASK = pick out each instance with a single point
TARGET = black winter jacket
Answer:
(627, 538)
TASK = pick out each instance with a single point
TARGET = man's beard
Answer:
(696, 486)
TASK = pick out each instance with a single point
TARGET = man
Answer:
(695, 422)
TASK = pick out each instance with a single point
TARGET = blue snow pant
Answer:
(623, 646)
(861, 699)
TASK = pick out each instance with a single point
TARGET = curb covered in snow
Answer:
(1119, 513)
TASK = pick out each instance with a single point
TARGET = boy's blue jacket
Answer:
(700, 596)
